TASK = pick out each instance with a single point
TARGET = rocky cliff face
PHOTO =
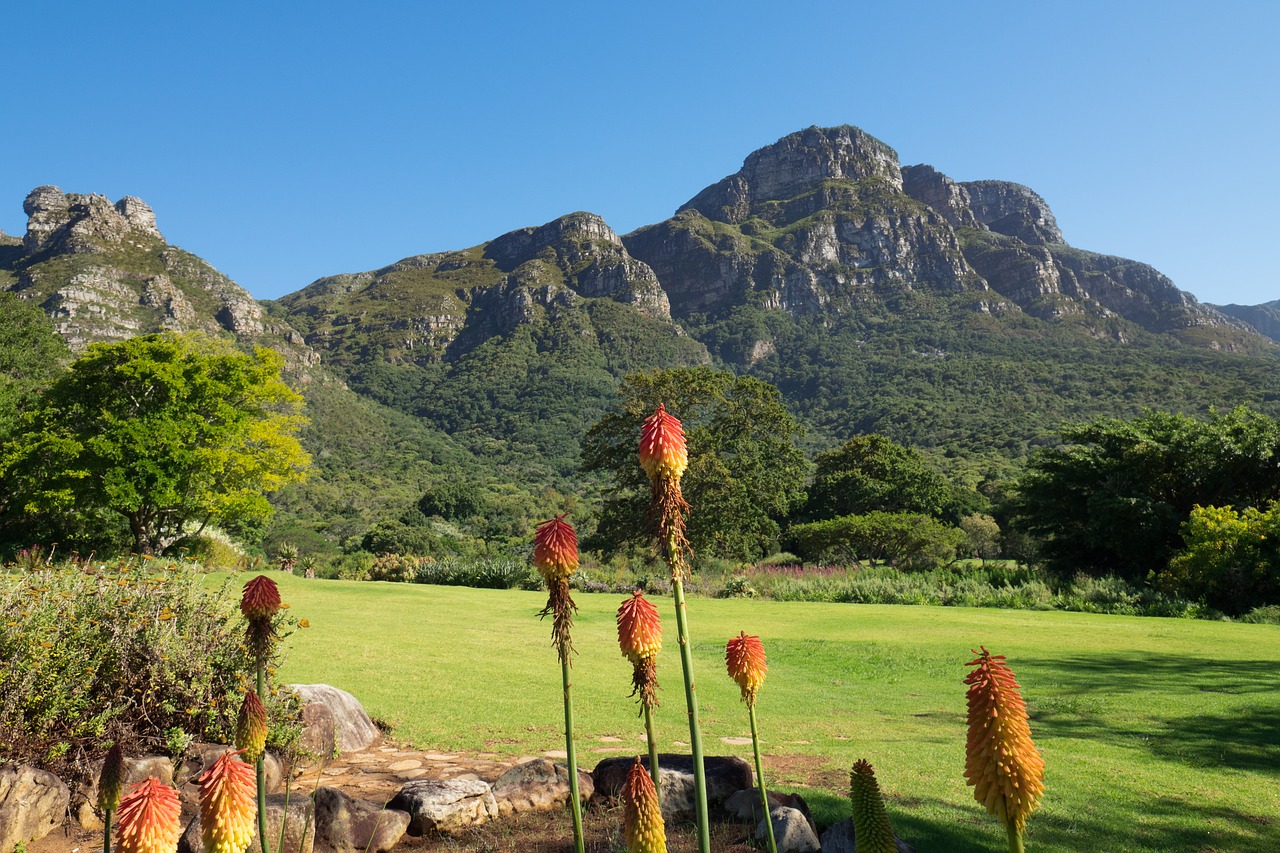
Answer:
(104, 272)
(1265, 317)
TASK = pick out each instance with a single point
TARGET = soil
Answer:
(377, 774)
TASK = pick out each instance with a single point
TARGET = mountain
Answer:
(1265, 317)
(949, 315)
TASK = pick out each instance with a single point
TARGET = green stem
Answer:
(262, 763)
(1015, 839)
(106, 831)
(654, 771)
(691, 700)
(579, 843)
(764, 797)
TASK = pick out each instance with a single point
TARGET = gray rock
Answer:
(538, 786)
(202, 755)
(791, 830)
(299, 834)
(446, 806)
(745, 805)
(344, 825)
(839, 838)
(352, 728)
(726, 775)
(32, 804)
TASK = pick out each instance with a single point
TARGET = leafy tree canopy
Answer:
(1111, 500)
(31, 354)
(745, 472)
(871, 473)
(1232, 559)
(169, 431)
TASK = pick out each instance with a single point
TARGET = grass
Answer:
(1158, 734)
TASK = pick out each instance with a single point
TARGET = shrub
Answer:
(138, 652)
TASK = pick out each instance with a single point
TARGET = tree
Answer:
(745, 472)
(1112, 499)
(871, 473)
(31, 354)
(905, 540)
(1232, 559)
(169, 431)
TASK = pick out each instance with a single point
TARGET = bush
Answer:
(137, 652)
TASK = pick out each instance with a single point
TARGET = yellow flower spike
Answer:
(663, 454)
(1002, 764)
(149, 819)
(555, 550)
(744, 658)
(227, 804)
(639, 628)
(642, 818)
(251, 727)
(870, 821)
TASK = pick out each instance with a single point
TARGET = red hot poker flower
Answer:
(744, 658)
(261, 598)
(111, 779)
(149, 819)
(639, 628)
(555, 550)
(251, 727)
(641, 815)
(228, 804)
(1002, 764)
(663, 454)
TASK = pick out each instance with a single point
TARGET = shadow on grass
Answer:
(1246, 738)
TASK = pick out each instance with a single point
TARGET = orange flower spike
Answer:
(744, 658)
(149, 819)
(228, 804)
(641, 815)
(639, 628)
(555, 549)
(1002, 763)
(663, 454)
(251, 727)
(261, 598)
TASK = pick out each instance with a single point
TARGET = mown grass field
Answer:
(1159, 735)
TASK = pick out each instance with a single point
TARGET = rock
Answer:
(32, 804)
(538, 786)
(1012, 209)
(318, 740)
(792, 831)
(201, 756)
(299, 835)
(446, 806)
(352, 728)
(726, 775)
(745, 805)
(344, 825)
(839, 838)
(87, 817)
(158, 767)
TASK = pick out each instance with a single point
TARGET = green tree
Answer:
(871, 473)
(1113, 498)
(745, 472)
(170, 432)
(909, 541)
(1232, 559)
(31, 355)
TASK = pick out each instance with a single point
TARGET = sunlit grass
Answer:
(1159, 735)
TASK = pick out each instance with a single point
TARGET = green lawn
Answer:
(1158, 735)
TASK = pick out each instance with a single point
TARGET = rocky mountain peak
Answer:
(72, 223)
(524, 244)
(795, 164)
(1012, 209)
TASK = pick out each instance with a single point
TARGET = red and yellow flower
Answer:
(260, 599)
(228, 789)
(251, 727)
(149, 819)
(744, 658)
(642, 817)
(555, 550)
(663, 454)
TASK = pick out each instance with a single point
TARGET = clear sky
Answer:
(286, 141)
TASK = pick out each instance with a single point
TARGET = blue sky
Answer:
(287, 141)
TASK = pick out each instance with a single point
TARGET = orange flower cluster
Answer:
(870, 820)
(149, 819)
(228, 804)
(555, 550)
(641, 815)
(640, 638)
(1002, 764)
(744, 658)
(663, 454)
(251, 727)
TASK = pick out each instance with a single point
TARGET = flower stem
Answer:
(106, 830)
(691, 700)
(655, 772)
(1015, 839)
(764, 797)
(261, 764)
(579, 843)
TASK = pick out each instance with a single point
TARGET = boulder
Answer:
(202, 755)
(839, 838)
(32, 803)
(344, 825)
(159, 767)
(352, 728)
(791, 830)
(745, 805)
(538, 786)
(726, 775)
(445, 806)
(299, 829)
